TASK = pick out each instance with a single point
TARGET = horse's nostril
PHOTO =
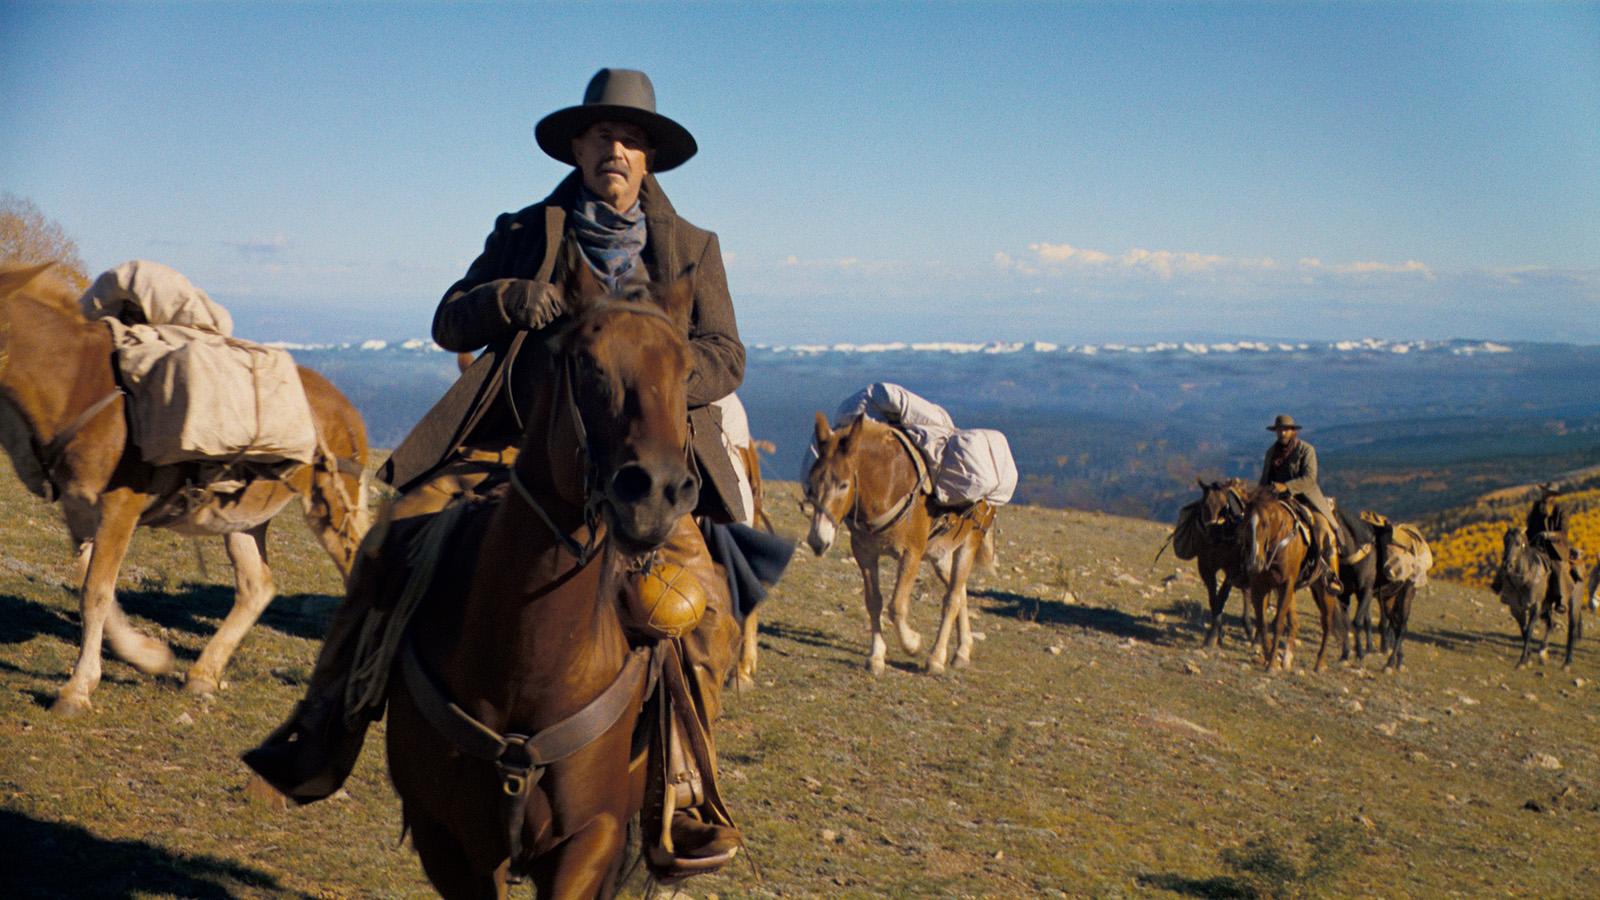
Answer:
(631, 483)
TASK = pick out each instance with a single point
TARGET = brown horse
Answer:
(62, 422)
(1532, 586)
(523, 632)
(869, 479)
(1278, 557)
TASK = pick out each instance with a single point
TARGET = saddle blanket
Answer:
(194, 392)
(967, 465)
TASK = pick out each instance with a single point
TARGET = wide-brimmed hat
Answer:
(617, 95)
(1282, 422)
(1549, 489)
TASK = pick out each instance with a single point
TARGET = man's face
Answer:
(1285, 435)
(614, 157)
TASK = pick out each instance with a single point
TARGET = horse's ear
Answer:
(855, 429)
(824, 430)
(1200, 481)
(677, 301)
(13, 279)
(580, 287)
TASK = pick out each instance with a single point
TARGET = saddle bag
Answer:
(1188, 532)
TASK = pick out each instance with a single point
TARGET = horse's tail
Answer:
(1162, 549)
(986, 554)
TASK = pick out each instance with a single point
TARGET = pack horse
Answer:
(64, 422)
(869, 478)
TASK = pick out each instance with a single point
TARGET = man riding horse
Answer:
(612, 214)
(1291, 467)
(1547, 533)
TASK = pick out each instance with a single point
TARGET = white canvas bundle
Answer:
(195, 393)
(976, 465)
(967, 465)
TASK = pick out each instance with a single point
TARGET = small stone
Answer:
(1055, 651)
(1541, 761)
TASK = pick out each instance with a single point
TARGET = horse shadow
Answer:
(1103, 619)
(1220, 888)
(52, 859)
(21, 620)
(197, 609)
(848, 652)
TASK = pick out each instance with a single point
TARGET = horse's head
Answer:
(1221, 502)
(1515, 546)
(1265, 528)
(34, 282)
(626, 367)
(830, 486)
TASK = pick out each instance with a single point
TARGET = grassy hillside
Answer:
(1093, 750)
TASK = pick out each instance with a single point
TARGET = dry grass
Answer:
(1093, 750)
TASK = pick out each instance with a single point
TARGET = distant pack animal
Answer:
(1278, 559)
(873, 482)
(1533, 586)
(522, 678)
(1207, 532)
(63, 422)
(1403, 559)
(1358, 574)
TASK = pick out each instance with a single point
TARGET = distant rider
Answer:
(1547, 530)
(1291, 468)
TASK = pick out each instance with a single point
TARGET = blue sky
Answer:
(1065, 172)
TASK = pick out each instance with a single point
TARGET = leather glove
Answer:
(534, 307)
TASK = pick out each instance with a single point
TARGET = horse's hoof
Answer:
(875, 666)
(962, 662)
(744, 683)
(934, 667)
(197, 683)
(912, 643)
(70, 706)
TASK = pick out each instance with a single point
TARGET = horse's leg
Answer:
(585, 864)
(446, 863)
(1286, 616)
(1332, 614)
(1214, 627)
(953, 570)
(872, 592)
(247, 550)
(1269, 647)
(749, 646)
(119, 515)
(1396, 618)
(1525, 617)
(907, 561)
(1574, 620)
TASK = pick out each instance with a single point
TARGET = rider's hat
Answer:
(617, 95)
(1549, 489)
(1282, 422)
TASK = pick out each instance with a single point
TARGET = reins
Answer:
(50, 454)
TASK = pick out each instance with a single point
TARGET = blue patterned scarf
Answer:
(611, 241)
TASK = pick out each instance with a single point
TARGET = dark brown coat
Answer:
(518, 263)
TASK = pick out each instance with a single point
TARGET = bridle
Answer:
(890, 517)
(565, 367)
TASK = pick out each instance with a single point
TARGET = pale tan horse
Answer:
(867, 478)
(62, 422)
(749, 648)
